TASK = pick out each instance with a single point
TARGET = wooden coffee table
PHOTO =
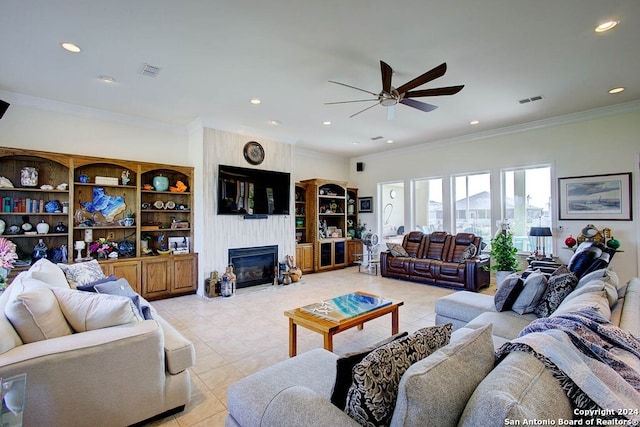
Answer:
(329, 328)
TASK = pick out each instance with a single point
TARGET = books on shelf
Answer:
(345, 306)
(22, 205)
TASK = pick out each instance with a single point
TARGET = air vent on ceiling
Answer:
(149, 70)
(533, 98)
(375, 138)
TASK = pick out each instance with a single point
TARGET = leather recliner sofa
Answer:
(440, 259)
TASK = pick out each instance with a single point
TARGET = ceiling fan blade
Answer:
(362, 111)
(425, 78)
(348, 102)
(450, 90)
(387, 73)
(391, 112)
(353, 87)
(423, 106)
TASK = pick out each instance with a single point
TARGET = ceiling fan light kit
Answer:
(389, 96)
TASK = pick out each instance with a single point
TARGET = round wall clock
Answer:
(253, 152)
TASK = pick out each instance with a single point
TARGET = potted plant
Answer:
(503, 254)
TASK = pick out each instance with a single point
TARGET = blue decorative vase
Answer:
(160, 183)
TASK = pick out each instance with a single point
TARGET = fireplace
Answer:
(254, 266)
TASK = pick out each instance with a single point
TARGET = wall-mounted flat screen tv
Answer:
(244, 191)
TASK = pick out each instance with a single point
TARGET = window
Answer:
(472, 195)
(428, 205)
(527, 202)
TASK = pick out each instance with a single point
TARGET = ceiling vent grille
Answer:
(533, 98)
(149, 70)
(375, 138)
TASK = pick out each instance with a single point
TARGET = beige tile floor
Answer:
(237, 336)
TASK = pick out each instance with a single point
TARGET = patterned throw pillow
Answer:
(508, 292)
(397, 250)
(344, 369)
(470, 252)
(82, 273)
(558, 287)
(372, 396)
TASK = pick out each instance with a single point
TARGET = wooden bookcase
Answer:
(159, 216)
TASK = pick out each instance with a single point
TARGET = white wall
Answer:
(603, 144)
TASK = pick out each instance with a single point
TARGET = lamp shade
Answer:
(540, 231)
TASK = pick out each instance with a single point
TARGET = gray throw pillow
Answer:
(123, 288)
(437, 388)
(372, 396)
(558, 288)
(397, 250)
(508, 292)
(534, 286)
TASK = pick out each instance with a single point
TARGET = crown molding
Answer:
(581, 116)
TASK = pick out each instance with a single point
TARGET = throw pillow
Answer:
(508, 292)
(82, 273)
(344, 370)
(603, 274)
(534, 286)
(563, 269)
(123, 288)
(596, 286)
(372, 396)
(595, 299)
(558, 288)
(86, 311)
(397, 250)
(90, 287)
(48, 272)
(470, 252)
(438, 388)
(35, 314)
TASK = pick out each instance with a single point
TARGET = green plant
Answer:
(503, 252)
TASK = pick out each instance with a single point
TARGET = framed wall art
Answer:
(365, 204)
(605, 197)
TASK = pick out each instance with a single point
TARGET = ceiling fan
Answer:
(390, 96)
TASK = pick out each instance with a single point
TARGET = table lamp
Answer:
(541, 234)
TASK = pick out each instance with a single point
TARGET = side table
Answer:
(13, 396)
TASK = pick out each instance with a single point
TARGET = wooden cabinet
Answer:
(130, 270)
(354, 248)
(304, 257)
(75, 193)
(25, 202)
(331, 215)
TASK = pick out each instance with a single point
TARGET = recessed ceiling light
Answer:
(326, 123)
(474, 122)
(255, 101)
(71, 47)
(389, 141)
(356, 142)
(275, 122)
(616, 90)
(107, 79)
(606, 26)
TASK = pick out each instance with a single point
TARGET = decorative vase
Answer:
(39, 251)
(160, 183)
(83, 178)
(2, 226)
(29, 177)
(500, 276)
(42, 227)
(570, 242)
(60, 228)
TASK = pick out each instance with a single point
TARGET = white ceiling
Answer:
(216, 55)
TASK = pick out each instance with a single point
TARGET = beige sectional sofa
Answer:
(120, 370)
(457, 385)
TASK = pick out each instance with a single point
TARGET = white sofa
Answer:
(119, 371)
(468, 391)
